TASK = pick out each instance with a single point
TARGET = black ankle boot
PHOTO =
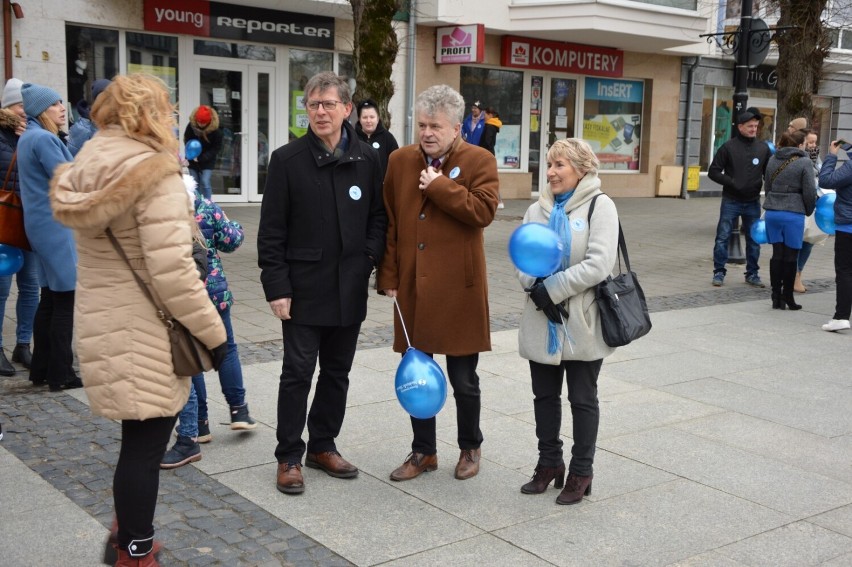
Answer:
(790, 277)
(6, 368)
(22, 355)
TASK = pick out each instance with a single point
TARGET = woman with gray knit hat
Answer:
(40, 150)
(13, 122)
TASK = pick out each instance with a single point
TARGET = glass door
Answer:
(559, 116)
(242, 96)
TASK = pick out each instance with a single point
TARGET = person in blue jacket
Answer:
(474, 124)
(840, 179)
(83, 129)
(40, 151)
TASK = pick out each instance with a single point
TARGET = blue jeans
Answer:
(203, 179)
(28, 296)
(804, 254)
(188, 426)
(729, 211)
(230, 374)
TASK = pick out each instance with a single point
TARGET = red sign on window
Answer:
(191, 17)
(528, 53)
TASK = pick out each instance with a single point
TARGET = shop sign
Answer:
(528, 53)
(460, 44)
(763, 77)
(226, 21)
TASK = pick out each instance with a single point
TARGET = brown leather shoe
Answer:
(575, 488)
(415, 463)
(468, 466)
(332, 463)
(290, 479)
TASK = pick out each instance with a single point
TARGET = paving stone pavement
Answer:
(204, 522)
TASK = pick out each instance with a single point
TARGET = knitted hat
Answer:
(798, 123)
(98, 87)
(203, 116)
(37, 98)
(12, 93)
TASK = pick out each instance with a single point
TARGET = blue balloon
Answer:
(771, 147)
(824, 213)
(11, 260)
(535, 249)
(758, 231)
(193, 149)
(421, 387)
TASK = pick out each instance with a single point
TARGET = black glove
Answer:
(219, 354)
(539, 296)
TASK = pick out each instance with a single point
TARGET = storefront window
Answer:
(233, 50)
(503, 90)
(612, 121)
(155, 55)
(92, 54)
(717, 119)
(304, 65)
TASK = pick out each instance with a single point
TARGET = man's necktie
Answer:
(436, 163)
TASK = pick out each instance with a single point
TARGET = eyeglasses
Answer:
(328, 105)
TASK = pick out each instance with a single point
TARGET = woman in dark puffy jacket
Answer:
(790, 191)
(13, 122)
(371, 130)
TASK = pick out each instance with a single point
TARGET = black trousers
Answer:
(137, 478)
(582, 377)
(461, 372)
(303, 344)
(843, 274)
(53, 331)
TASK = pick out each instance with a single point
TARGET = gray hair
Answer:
(578, 153)
(328, 80)
(441, 98)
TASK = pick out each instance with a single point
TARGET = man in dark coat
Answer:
(440, 195)
(738, 167)
(322, 231)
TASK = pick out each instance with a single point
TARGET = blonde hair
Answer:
(139, 104)
(578, 153)
(48, 124)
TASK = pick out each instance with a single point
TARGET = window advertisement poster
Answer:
(298, 115)
(507, 148)
(612, 114)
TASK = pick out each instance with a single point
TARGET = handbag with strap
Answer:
(189, 355)
(12, 230)
(621, 301)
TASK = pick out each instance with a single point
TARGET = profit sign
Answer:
(529, 53)
(227, 21)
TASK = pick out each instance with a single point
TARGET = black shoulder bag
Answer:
(620, 299)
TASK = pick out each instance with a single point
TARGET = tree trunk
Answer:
(801, 52)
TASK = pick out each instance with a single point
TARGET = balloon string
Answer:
(402, 322)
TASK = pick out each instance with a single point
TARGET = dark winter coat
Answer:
(382, 140)
(9, 121)
(435, 255)
(793, 189)
(210, 137)
(840, 180)
(489, 134)
(322, 229)
(738, 167)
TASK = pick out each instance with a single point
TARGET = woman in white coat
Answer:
(560, 331)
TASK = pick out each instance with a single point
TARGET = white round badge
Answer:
(355, 192)
(755, 161)
(376, 145)
(455, 172)
(578, 225)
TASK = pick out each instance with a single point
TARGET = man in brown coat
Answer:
(440, 195)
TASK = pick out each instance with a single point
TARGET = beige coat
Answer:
(435, 252)
(125, 358)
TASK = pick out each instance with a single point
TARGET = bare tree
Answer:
(801, 53)
(374, 50)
